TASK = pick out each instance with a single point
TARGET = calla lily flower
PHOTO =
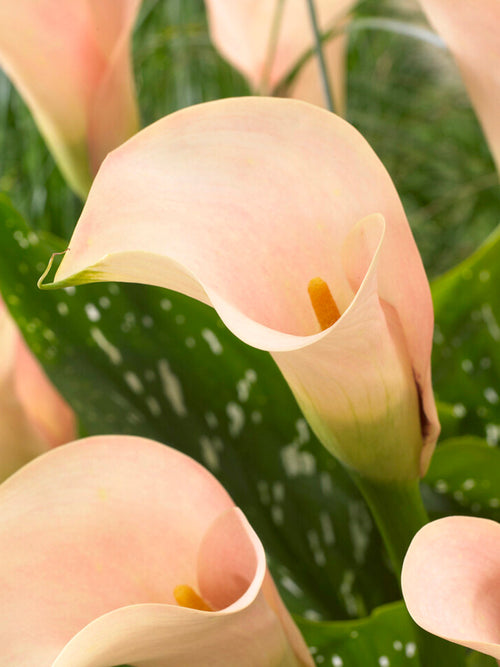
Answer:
(450, 581)
(264, 40)
(470, 29)
(33, 415)
(241, 204)
(70, 61)
(137, 555)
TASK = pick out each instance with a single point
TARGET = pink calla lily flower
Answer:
(450, 581)
(241, 203)
(244, 32)
(470, 29)
(117, 549)
(70, 61)
(33, 415)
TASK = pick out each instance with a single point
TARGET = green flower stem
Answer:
(399, 513)
(321, 59)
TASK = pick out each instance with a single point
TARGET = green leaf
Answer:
(464, 478)
(144, 361)
(386, 638)
(466, 358)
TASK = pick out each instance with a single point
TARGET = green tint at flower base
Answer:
(241, 203)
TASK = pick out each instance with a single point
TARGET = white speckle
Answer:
(20, 238)
(154, 406)
(172, 388)
(320, 659)
(313, 615)
(128, 322)
(467, 366)
(236, 418)
(147, 321)
(263, 491)
(337, 661)
(92, 312)
(459, 496)
(494, 502)
(302, 431)
(360, 526)
(256, 417)
(291, 586)
(62, 308)
(325, 482)
(244, 385)
(212, 340)
(468, 484)
(398, 646)
(327, 528)
(313, 650)
(180, 319)
(459, 410)
(133, 382)
(485, 363)
(410, 649)
(70, 290)
(113, 289)
(438, 336)
(104, 302)
(492, 434)
(110, 350)
(484, 276)
(211, 420)
(49, 335)
(491, 395)
(383, 661)
(150, 375)
(296, 462)
(190, 342)
(33, 238)
(279, 492)
(314, 543)
(166, 304)
(209, 452)
(354, 634)
(441, 486)
(490, 321)
(277, 515)
(475, 507)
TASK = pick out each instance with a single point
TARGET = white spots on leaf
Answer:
(92, 312)
(313, 615)
(147, 321)
(277, 515)
(296, 461)
(468, 484)
(128, 322)
(180, 319)
(166, 304)
(211, 419)
(21, 239)
(263, 491)
(441, 486)
(397, 645)
(190, 342)
(236, 417)
(484, 276)
(490, 321)
(491, 395)
(485, 363)
(410, 649)
(383, 661)
(494, 502)
(354, 634)
(210, 448)
(172, 388)
(256, 417)
(492, 434)
(438, 336)
(345, 590)
(290, 585)
(112, 352)
(327, 528)
(62, 308)
(113, 289)
(360, 526)
(244, 385)
(149, 375)
(71, 290)
(459, 410)
(337, 661)
(278, 492)
(133, 382)
(467, 366)
(315, 546)
(212, 341)
(154, 406)
(326, 484)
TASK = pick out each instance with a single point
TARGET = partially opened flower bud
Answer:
(71, 63)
